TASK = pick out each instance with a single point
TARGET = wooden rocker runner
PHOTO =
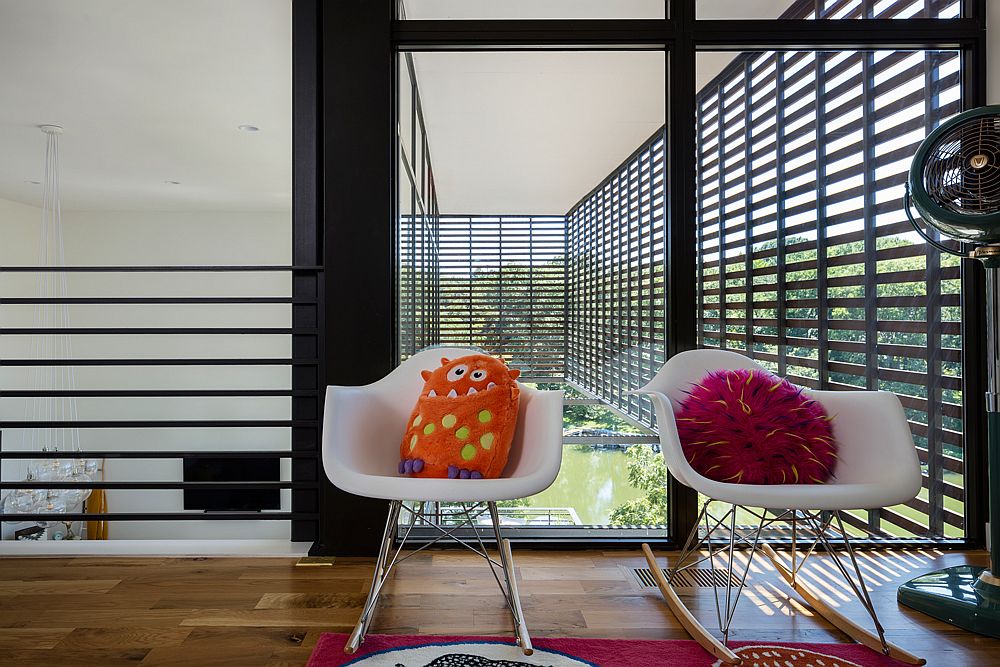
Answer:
(877, 467)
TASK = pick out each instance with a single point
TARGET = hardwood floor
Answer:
(268, 612)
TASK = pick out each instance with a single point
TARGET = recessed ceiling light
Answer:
(172, 182)
(248, 128)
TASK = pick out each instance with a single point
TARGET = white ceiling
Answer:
(533, 9)
(532, 132)
(148, 91)
(585, 9)
(151, 91)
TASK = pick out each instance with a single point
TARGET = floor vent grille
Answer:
(693, 578)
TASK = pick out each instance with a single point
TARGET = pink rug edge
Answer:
(607, 652)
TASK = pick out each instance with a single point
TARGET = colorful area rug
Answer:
(438, 651)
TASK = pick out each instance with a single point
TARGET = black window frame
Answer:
(359, 43)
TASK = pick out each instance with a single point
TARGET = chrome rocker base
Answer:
(388, 559)
(818, 524)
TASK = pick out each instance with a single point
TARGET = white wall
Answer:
(993, 59)
(144, 237)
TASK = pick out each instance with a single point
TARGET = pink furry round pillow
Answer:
(747, 427)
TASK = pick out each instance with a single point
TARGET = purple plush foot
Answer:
(408, 466)
(463, 474)
(418, 465)
(402, 467)
(476, 475)
(452, 472)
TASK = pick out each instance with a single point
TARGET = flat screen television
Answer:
(209, 469)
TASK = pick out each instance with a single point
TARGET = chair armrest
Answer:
(670, 441)
(361, 431)
(538, 434)
(873, 437)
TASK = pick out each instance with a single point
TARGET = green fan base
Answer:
(956, 595)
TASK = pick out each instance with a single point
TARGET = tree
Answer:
(648, 473)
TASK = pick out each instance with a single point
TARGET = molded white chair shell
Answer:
(877, 466)
(363, 427)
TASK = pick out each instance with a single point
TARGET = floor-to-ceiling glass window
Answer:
(762, 213)
(546, 172)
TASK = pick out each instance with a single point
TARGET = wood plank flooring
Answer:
(268, 612)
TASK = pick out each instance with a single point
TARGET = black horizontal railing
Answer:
(149, 393)
(161, 423)
(38, 484)
(305, 391)
(193, 515)
(184, 268)
(247, 361)
(160, 485)
(133, 331)
(150, 300)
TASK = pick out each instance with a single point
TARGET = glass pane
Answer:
(608, 486)
(547, 246)
(531, 9)
(828, 9)
(806, 260)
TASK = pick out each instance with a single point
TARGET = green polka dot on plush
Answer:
(413, 441)
(448, 421)
(417, 420)
(486, 441)
(428, 429)
(462, 433)
(468, 452)
(485, 416)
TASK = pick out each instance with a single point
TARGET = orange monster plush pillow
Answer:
(464, 421)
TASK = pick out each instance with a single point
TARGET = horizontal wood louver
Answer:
(419, 279)
(806, 261)
(874, 9)
(616, 259)
(502, 288)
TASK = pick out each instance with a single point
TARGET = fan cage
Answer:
(961, 172)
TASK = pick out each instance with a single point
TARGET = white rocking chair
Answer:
(362, 429)
(877, 467)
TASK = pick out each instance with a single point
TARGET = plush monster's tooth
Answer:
(463, 474)
(472, 390)
(476, 475)
(452, 394)
(431, 393)
(452, 472)
(408, 466)
(418, 465)
(491, 385)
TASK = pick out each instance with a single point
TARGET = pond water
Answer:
(592, 481)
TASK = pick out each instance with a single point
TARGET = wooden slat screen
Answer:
(616, 260)
(503, 287)
(419, 283)
(874, 9)
(806, 261)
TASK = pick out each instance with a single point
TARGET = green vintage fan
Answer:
(954, 184)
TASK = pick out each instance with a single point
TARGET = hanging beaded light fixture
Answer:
(53, 314)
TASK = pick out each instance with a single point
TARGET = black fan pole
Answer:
(954, 184)
(966, 595)
(992, 264)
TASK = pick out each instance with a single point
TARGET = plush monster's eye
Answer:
(478, 375)
(457, 373)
